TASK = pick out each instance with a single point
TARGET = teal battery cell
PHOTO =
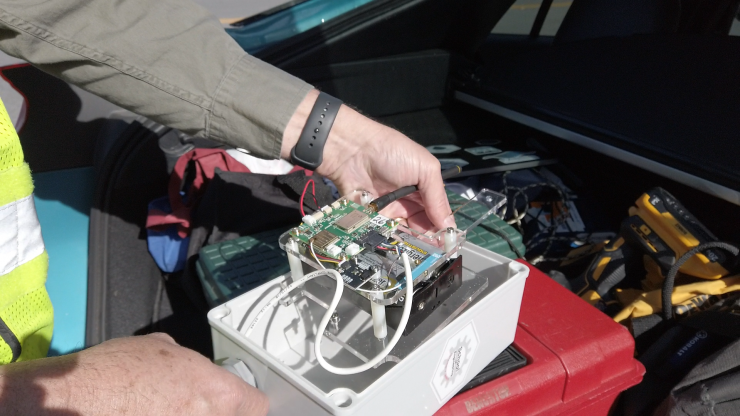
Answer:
(231, 268)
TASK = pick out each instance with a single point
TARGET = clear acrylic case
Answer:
(280, 349)
(484, 204)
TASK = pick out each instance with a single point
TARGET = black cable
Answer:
(506, 238)
(670, 278)
(385, 200)
(580, 256)
(555, 223)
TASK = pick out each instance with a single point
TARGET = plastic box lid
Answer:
(577, 357)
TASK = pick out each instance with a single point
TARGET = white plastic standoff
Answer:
(450, 239)
(296, 266)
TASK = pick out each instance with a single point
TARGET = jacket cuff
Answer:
(253, 105)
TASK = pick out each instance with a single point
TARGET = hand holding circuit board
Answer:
(363, 154)
(359, 242)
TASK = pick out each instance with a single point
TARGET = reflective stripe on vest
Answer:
(20, 235)
(26, 314)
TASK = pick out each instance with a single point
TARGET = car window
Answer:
(735, 29)
(555, 17)
(519, 19)
(258, 32)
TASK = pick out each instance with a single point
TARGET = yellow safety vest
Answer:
(26, 314)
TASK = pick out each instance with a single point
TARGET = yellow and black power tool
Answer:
(666, 230)
(658, 231)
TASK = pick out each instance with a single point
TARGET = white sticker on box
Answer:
(457, 357)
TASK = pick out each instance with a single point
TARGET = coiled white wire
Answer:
(330, 311)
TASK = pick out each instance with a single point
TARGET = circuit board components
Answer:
(324, 239)
(364, 246)
(352, 221)
(341, 225)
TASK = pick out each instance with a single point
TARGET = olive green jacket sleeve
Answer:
(169, 60)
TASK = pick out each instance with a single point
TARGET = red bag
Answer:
(205, 162)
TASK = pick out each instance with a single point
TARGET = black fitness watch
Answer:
(308, 152)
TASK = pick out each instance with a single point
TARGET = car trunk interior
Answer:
(414, 94)
(409, 85)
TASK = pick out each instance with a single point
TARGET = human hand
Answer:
(148, 374)
(363, 154)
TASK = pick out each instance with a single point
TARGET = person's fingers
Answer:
(403, 208)
(255, 403)
(433, 195)
(419, 221)
(413, 212)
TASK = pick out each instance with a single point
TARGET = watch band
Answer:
(308, 152)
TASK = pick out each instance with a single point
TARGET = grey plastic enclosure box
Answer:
(424, 370)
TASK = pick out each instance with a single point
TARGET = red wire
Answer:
(313, 193)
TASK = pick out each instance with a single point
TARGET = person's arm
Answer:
(363, 154)
(169, 60)
(144, 375)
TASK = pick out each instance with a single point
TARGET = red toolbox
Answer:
(578, 360)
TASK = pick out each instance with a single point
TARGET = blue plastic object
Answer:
(167, 248)
(63, 201)
(263, 32)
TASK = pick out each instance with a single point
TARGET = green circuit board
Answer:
(360, 244)
(347, 223)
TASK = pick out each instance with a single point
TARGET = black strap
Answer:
(9, 337)
(667, 292)
(309, 151)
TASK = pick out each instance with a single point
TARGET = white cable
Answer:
(316, 257)
(274, 301)
(517, 219)
(332, 307)
(396, 337)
